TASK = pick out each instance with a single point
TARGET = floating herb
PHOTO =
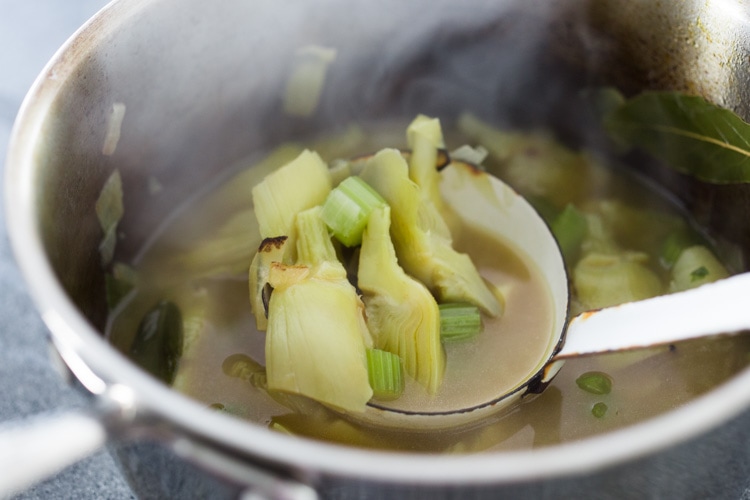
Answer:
(599, 410)
(595, 383)
(699, 273)
(690, 134)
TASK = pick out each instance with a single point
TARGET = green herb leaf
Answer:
(595, 383)
(690, 134)
(699, 273)
(599, 410)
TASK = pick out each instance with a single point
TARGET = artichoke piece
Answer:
(696, 266)
(402, 314)
(425, 138)
(603, 280)
(270, 250)
(423, 251)
(301, 184)
(317, 338)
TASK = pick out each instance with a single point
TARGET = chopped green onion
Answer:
(699, 273)
(347, 209)
(599, 410)
(595, 382)
(459, 321)
(570, 228)
(384, 370)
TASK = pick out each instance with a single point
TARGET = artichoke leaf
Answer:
(402, 314)
(317, 338)
(425, 253)
(299, 185)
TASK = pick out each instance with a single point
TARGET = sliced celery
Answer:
(347, 208)
(570, 228)
(459, 321)
(384, 370)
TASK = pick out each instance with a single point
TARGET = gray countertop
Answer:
(30, 33)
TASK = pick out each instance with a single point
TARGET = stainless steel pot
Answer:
(202, 83)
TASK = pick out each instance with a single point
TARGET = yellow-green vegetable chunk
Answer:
(317, 337)
(300, 184)
(603, 280)
(402, 314)
(424, 252)
(696, 266)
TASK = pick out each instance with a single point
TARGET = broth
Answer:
(644, 384)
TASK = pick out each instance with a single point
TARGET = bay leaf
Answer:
(687, 132)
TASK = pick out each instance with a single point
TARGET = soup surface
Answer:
(199, 261)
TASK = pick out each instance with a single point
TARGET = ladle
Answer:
(483, 200)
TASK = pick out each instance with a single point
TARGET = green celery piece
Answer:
(317, 337)
(402, 314)
(570, 228)
(386, 379)
(688, 133)
(347, 208)
(459, 322)
(423, 250)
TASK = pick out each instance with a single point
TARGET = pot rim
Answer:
(103, 366)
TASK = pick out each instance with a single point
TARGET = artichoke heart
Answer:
(317, 338)
(425, 253)
(402, 314)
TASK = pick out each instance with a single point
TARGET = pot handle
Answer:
(37, 449)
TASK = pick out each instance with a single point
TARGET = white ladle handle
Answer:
(44, 446)
(715, 308)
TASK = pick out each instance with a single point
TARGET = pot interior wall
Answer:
(203, 86)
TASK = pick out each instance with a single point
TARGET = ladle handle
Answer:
(711, 309)
(37, 449)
